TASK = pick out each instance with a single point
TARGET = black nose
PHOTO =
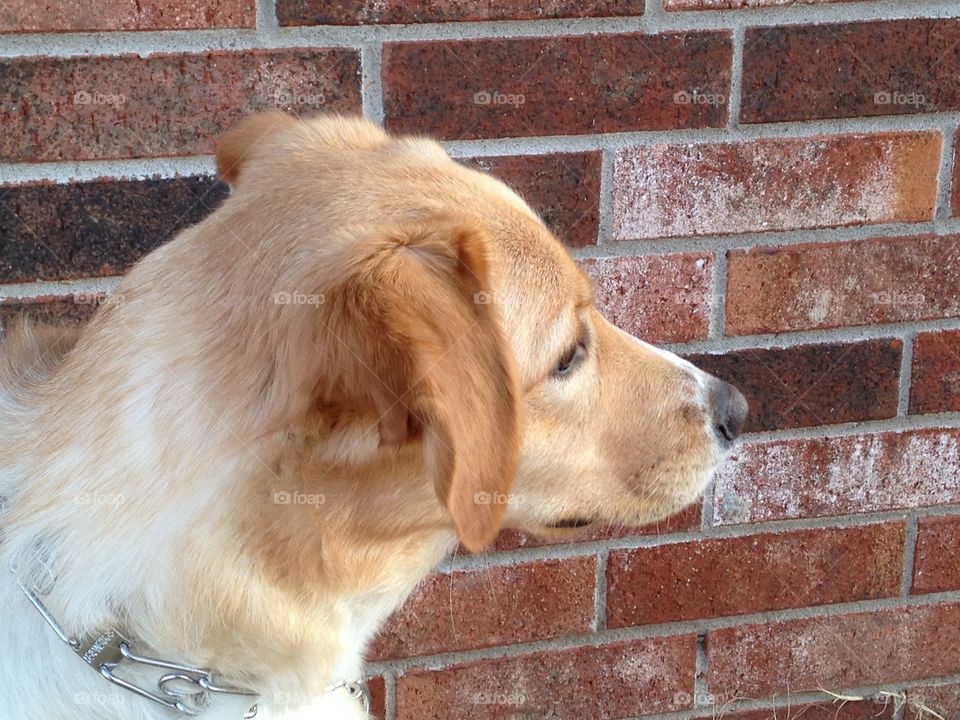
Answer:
(729, 409)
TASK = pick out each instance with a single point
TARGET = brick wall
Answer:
(766, 186)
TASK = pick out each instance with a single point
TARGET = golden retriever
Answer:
(285, 417)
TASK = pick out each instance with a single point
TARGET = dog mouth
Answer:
(571, 523)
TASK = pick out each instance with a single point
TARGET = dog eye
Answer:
(571, 358)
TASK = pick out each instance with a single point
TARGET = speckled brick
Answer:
(95, 228)
(499, 605)
(941, 698)
(827, 285)
(781, 184)
(739, 4)
(857, 650)
(955, 194)
(872, 708)
(806, 72)
(25, 16)
(936, 565)
(363, 12)
(557, 86)
(936, 373)
(684, 521)
(620, 680)
(787, 479)
(659, 298)
(83, 108)
(563, 187)
(378, 696)
(809, 385)
(66, 310)
(756, 573)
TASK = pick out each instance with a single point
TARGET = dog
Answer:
(219, 487)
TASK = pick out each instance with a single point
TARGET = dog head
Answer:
(422, 309)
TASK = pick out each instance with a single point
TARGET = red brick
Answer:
(738, 576)
(781, 184)
(568, 85)
(827, 285)
(739, 4)
(810, 385)
(69, 310)
(858, 650)
(661, 298)
(378, 696)
(48, 230)
(942, 699)
(786, 479)
(935, 386)
(163, 105)
(955, 195)
(620, 680)
(936, 564)
(895, 67)
(874, 708)
(27, 16)
(495, 606)
(563, 187)
(684, 521)
(362, 12)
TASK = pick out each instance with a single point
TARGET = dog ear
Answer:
(236, 146)
(417, 325)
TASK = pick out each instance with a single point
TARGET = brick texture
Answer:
(720, 188)
(829, 285)
(661, 298)
(786, 479)
(874, 708)
(739, 4)
(359, 12)
(737, 576)
(570, 85)
(936, 373)
(163, 105)
(96, 228)
(807, 72)
(563, 187)
(810, 385)
(955, 194)
(24, 16)
(864, 649)
(936, 566)
(943, 699)
(464, 610)
(619, 680)
(68, 310)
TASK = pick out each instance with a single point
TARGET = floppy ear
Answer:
(236, 146)
(418, 327)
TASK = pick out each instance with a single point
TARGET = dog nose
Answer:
(729, 409)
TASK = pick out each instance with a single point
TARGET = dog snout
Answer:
(728, 409)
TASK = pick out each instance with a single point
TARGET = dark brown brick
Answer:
(686, 189)
(822, 477)
(564, 188)
(955, 194)
(68, 310)
(757, 573)
(620, 680)
(936, 565)
(894, 67)
(827, 285)
(362, 12)
(936, 373)
(27, 16)
(556, 86)
(378, 696)
(660, 298)
(858, 650)
(164, 105)
(500, 605)
(95, 228)
(810, 385)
